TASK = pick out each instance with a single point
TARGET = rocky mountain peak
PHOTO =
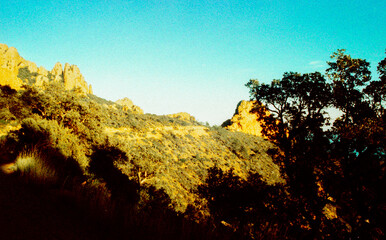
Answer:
(57, 69)
(72, 78)
(16, 71)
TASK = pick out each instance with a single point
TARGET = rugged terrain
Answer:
(83, 167)
(58, 139)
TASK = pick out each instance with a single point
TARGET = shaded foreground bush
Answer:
(254, 210)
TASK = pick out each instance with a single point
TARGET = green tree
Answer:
(358, 139)
(295, 121)
(349, 77)
(346, 160)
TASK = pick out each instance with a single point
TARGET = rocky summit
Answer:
(243, 120)
(15, 71)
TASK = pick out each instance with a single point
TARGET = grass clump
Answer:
(33, 168)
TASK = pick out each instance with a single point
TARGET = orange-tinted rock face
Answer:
(245, 121)
(16, 71)
(74, 79)
(10, 62)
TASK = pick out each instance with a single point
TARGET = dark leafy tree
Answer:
(295, 103)
(358, 139)
(11, 107)
(27, 76)
(68, 108)
(103, 166)
(250, 207)
(349, 77)
(293, 113)
(345, 162)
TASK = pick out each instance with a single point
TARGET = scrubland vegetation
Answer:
(135, 174)
(80, 167)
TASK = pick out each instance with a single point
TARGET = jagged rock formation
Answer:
(183, 116)
(128, 105)
(243, 120)
(74, 79)
(16, 71)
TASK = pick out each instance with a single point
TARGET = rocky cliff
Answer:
(243, 120)
(16, 71)
(10, 63)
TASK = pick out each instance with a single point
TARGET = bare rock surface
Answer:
(245, 121)
(16, 71)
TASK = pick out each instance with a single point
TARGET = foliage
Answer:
(12, 106)
(27, 76)
(343, 164)
(149, 175)
(102, 165)
(249, 207)
(138, 172)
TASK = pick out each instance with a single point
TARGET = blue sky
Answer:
(191, 56)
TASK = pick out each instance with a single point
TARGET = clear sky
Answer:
(191, 56)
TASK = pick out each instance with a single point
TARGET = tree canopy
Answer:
(342, 164)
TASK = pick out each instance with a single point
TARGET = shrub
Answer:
(27, 76)
(102, 165)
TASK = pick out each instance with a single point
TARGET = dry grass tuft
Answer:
(33, 167)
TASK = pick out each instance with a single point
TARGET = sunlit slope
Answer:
(168, 153)
(176, 158)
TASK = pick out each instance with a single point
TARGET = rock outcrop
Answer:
(72, 79)
(16, 71)
(10, 62)
(183, 116)
(243, 120)
(127, 105)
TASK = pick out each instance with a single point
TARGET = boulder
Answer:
(32, 67)
(41, 81)
(42, 71)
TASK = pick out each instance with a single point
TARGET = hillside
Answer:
(55, 136)
(167, 152)
(83, 167)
